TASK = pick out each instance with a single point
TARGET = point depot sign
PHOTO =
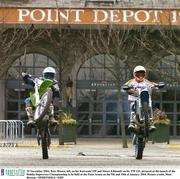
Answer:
(90, 16)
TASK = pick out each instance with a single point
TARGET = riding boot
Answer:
(152, 128)
(132, 124)
(52, 120)
(151, 125)
(31, 123)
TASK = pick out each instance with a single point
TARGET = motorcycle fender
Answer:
(44, 86)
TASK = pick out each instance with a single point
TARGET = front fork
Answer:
(150, 112)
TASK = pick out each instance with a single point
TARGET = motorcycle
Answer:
(41, 100)
(143, 113)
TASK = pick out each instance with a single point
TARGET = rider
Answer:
(48, 73)
(138, 81)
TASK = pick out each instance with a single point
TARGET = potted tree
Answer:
(162, 124)
(67, 128)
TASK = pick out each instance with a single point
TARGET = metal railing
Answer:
(10, 132)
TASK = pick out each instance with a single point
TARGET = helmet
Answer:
(49, 73)
(139, 68)
(139, 73)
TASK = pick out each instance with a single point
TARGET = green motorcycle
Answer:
(41, 99)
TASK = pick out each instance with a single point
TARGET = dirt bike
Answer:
(41, 99)
(143, 113)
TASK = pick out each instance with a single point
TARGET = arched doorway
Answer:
(16, 90)
(97, 96)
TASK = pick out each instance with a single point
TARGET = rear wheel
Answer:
(44, 147)
(140, 140)
(45, 141)
(139, 147)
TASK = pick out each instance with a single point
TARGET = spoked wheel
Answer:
(139, 147)
(43, 106)
(45, 138)
(44, 146)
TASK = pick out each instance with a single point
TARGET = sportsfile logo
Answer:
(2, 172)
(12, 172)
(15, 172)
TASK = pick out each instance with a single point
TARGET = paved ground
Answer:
(96, 153)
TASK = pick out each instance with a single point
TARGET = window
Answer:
(103, 67)
(168, 69)
(32, 64)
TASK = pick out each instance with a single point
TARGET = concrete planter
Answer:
(67, 133)
(162, 134)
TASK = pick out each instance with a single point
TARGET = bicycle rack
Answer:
(10, 132)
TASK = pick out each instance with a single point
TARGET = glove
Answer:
(133, 92)
(23, 74)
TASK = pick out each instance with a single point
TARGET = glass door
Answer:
(16, 93)
(111, 118)
(97, 119)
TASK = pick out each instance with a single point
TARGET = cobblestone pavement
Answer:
(90, 152)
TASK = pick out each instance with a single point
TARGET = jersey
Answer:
(145, 85)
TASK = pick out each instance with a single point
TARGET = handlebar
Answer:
(23, 74)
(158, 85)
(161, 85)
(126, 87)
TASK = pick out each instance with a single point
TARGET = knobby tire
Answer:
(146, 119)
(139, 147)
(44, 142)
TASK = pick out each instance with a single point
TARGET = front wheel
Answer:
(146, 119)
(43, 106)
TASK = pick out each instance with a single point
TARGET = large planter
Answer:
(161, 134)
(69, 133)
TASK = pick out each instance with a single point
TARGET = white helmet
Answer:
(139, 68)
(139, 73)
(49, 73)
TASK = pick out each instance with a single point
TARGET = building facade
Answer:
(94, 46)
